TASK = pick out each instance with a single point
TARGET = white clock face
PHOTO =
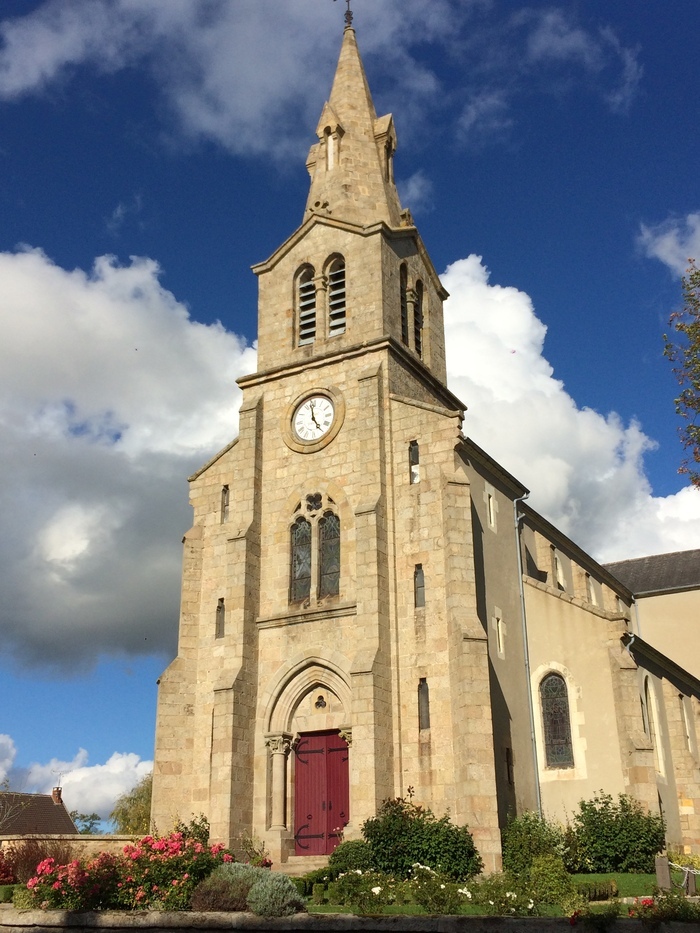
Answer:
(313, 418)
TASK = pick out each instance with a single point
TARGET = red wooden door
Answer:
(321, 792)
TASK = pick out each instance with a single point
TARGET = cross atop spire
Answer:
(348, 16)
(351, 166)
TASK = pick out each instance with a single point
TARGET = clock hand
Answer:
(313, 415)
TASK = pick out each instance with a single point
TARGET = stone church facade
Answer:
(368, 603)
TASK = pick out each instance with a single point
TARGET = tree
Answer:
(683, 350)
(87, 823)
(132, 811)
(11, 804)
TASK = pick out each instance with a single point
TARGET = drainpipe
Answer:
(526, 652)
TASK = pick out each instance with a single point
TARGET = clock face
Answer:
(313, 418)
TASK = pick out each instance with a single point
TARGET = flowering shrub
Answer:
(153, 873)
(436, 893)
(366, 892)
(163, 872)
(76, 886)
(664, 907)
(498, 894)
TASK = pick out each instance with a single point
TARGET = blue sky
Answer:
(150, 153)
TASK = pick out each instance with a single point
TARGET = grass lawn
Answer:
(628, 885)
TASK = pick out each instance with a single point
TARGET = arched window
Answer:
(306, 306)
(403, 275)
(418, 320)
(314, 550)
(336, 298)
(300, 574)
(329, 555)
(554, 699)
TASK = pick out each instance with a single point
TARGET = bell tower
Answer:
(330, 652)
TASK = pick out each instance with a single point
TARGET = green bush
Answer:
(548, 882)
(274, 895)
(305, 883)
(226, 888)
(403, 834)
(527, 836)
(355, 853)
(22, 898)
(620, 836)
(6, 892)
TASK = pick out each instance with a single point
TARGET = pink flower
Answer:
(227, 857)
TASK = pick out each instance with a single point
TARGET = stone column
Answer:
(279, 745)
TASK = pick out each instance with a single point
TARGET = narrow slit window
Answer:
(423, 704)
(329, 554)
(220, 629)
(414, 462)
(404, 304)
(554, 698)
(419, 587)
(499, 634)
(225, 500)
(300, 584)
(306, 298)
(336, 298)
(418, 320)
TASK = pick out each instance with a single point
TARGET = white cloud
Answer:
(8, 752)
(110, 395)
(585, 470)
(88, 788)
(416, 192)
(209, 60)
(673, 242)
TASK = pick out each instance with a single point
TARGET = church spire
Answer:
(351, 166)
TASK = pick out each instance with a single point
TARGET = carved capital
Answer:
(346, 733)
(279, 743)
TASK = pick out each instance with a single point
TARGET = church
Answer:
(368, 602)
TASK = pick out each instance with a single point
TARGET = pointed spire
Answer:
(351, 166)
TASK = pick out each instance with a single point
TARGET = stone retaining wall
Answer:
(51, 921)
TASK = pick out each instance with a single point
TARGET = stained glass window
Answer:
(329, 555)
(554, 698)
(300, 584)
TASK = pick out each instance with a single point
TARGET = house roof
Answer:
(659, 573)
(27, 814)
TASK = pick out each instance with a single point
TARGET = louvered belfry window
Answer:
(306, 300)
(336, 298)
(418, 320)
(329, 555)
(404, 304)
(300, 582)
(554, 698)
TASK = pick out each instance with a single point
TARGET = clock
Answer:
(313, 418)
